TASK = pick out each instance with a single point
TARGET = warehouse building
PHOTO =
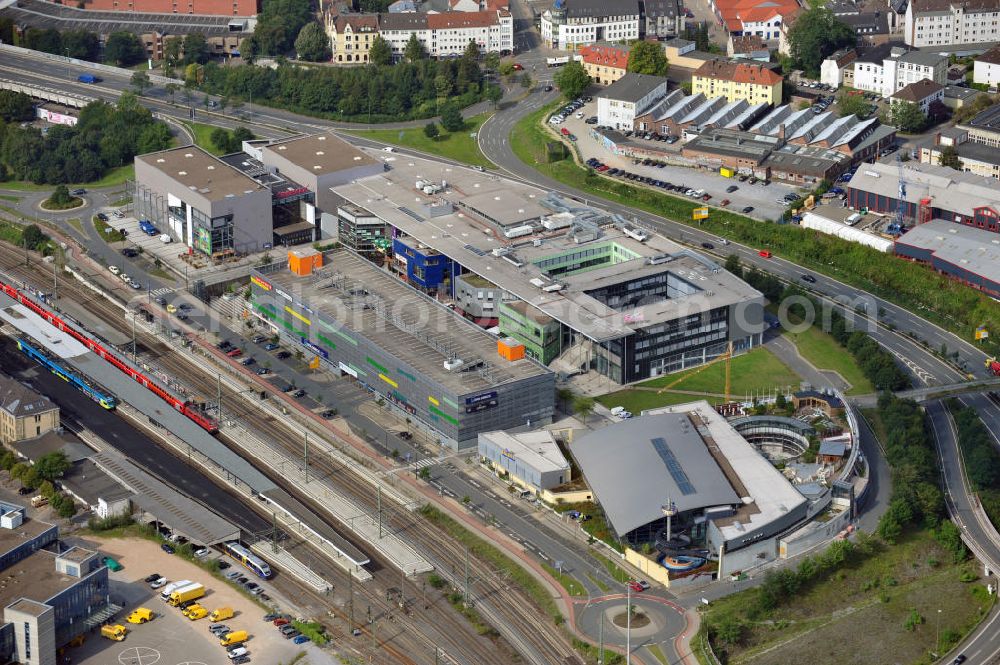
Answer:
(49, 598)
(969, 255)
(932, 192)
(574, 283)
(430, 365)
(533, 459)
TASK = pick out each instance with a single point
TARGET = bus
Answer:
(248, 559)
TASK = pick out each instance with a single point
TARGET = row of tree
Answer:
(106, 136)
(122, 48)
(406, 90)
(42, 475)
(982, 460)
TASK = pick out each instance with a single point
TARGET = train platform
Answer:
(78, 312)
(57, 342)
(183, 515)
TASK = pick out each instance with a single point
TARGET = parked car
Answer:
(747, 210)
(202, 552)
(270, 346)
(151, 578)
(731, 189)
(635, 586)
(235, 352)
(158, 582)
(167, 548)
(300, 639)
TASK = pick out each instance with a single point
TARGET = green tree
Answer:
(494, 94)
(312, 44)
(172, 51)
(572, 79)
(491, 61)
(53, 465)
(67, 508)
(46, 489)
(526, 81)
(60, 197)
(32, 236)
(949, 157)
(431, 131)
(816, 34)
(848, 104)
(241, 134)
(47, 40)
(583, 406)
(193, 74)
(414, 50)
(907, 116)
(195, 48)
(171, 89)
(30, 477)
(153, 137)
(124, 49)
(18, 470)
(733, 265)
(81, 44)
(140, 82)
(647, 58)
(380, 52)
(16, 106)
(7, 460)
(506, 68)
(278, 24)
(220, 139)
(451, 118)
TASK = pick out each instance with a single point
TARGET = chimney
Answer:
(937, 138)
(781, 131)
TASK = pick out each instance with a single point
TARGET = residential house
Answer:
(605, 63)
(986, 68)
(982, 160)
(748, 47)
(872, 28)
(887, 69)
(351, 36)
(663, 18)
(751, 82)
(628, 97)
(570, 24)
(949, 22)
(24, 414)
(923, 93)
(838, 67)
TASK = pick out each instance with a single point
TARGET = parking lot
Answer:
(171, 638)
(763, 199)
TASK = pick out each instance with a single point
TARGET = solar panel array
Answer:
(673, 466)
(410, 213)
(476, 250)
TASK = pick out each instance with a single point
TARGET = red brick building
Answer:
(203, 7)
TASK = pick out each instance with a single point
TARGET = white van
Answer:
(617, 410)
(173, 586)
(165, 239)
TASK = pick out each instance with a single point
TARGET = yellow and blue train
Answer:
(101, 396)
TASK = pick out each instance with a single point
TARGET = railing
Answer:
(76, 62)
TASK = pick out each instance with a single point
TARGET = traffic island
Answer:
(61, 200)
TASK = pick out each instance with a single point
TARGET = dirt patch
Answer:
(639, 620)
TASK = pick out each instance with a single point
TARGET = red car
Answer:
(518, 67)
(603, 167)
(235, 353)
(281, 621)
(764, 253)
(706, 197)
(564, 131)
(724, 202)
(635, 586)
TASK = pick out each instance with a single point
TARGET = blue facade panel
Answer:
(425, 269)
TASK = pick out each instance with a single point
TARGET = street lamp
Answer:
(628, 624)
(669, 509)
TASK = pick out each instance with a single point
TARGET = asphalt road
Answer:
(75, 408)
(983, 646)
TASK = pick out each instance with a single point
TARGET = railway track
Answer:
(504, 607)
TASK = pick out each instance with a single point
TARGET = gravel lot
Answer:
(171, 638)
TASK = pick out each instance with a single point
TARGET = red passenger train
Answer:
(189, 409)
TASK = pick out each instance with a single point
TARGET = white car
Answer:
(124, 277)
(388, 148)
(165, 238)
(157, 583)
(202, 552)
(579, 114)
(556, 120)
(237, 652)
(114, 270)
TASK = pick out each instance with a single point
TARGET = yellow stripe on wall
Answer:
(433, 401)
(388, 380)
(298, 316)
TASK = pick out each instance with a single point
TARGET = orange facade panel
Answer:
(510, 349)
(303, 262)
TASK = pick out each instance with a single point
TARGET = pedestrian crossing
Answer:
(162, 291)
(425, 462)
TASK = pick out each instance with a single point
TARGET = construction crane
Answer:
(727, 357)
(901, 194)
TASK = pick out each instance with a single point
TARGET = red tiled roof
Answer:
(738, 72)
(736, 12)
(748, 43)
(358, 23)
(462, 20)
(609, 56)
(919, 91)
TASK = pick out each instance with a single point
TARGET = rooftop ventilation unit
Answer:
(453, 363)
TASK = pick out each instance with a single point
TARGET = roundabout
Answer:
(654, 620)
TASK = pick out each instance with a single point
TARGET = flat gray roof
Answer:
(34, 578)
(972, 249)
(467, 236)
(402, 321)
(951, 190)
(636, 466)
(201, 172)
(320, 153)
(30, 528)
(632, 87)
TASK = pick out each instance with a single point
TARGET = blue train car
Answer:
(99, 395)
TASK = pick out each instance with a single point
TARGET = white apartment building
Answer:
(570, 24)
(949, 22)
(446, 35)
(886, 74)
(986, 68)
(629, 97)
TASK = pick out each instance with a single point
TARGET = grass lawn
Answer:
(202, 136)
(75, 223)
(460, 146)
(822, 350)
(107, 232)
(116, 176)
(74, 202)
(568, 582)
(879, 609)
(9, 197)
(616, 571)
